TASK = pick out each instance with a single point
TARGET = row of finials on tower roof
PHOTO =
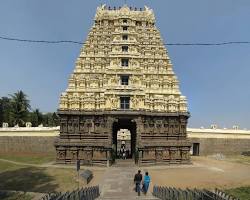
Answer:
(118, 8)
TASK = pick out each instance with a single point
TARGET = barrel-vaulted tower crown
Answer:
(123, 65)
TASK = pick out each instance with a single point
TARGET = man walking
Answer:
(137, 181)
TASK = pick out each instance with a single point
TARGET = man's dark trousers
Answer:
(138, 188)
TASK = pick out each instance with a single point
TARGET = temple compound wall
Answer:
(209, 141)
(123, 79)
(28, 140)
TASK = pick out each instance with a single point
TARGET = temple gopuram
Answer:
(123, 79)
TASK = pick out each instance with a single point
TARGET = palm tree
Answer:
(20, 107)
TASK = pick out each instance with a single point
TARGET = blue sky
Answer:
(215, 79)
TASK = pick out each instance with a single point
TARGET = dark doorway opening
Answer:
(129, 145)
(196, 149)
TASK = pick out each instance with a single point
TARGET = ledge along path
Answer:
(118, 182)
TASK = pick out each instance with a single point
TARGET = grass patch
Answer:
(29, 158)
(66, 179)
(15, 196)
(243, 193)
(4, 166)
(28, 179)
(239, 159)
(42, 180)
(36, 179)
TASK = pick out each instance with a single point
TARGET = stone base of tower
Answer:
(165, 155)
(87, 155)
(91, 137)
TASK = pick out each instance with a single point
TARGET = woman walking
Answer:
(146, 182)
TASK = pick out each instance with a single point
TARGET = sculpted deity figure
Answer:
(61, 154)
(135, 102)
(114, 102)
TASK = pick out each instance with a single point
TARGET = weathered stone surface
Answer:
(156, 138)
(27, 144)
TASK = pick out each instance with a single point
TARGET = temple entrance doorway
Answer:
(124, 139)
(123, 144)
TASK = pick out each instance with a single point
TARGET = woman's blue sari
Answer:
(146, 182)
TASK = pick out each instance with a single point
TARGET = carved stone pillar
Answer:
(159, 154)
(139, 130)
(110, 122)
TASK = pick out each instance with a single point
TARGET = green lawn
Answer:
(4, 166)
(38, 179)
(29, 159)
(16, 196)
(243, 193)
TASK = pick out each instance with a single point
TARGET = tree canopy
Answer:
(16, 110)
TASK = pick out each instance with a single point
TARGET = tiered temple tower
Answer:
(123, 79)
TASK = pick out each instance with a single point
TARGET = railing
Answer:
(169, 193)
(224, 195)
(89, 193)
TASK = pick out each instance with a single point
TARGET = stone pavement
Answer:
(118, 183)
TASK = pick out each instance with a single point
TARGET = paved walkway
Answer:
(118, 183)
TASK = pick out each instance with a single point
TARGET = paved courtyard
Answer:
(203, 173)
(117, 181)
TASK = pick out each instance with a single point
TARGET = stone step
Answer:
(127, 196)
(124, 163)
(142, 197)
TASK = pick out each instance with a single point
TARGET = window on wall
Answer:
(125, 37)
(124, 102)
(124, 62)
(124, 48)
(138, 23)
(124, 79)
(125, 21)
(125, 28)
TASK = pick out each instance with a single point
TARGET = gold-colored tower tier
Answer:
(123, 65)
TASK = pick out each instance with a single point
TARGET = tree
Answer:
(36, 117)
(20, 107)
(55, 119)
(50, 119)
(5, 110)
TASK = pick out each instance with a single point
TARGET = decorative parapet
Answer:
(192, 132)
(218, 133)
(104, 12)
(21, 129)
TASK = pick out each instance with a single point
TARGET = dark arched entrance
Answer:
(124, 123)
